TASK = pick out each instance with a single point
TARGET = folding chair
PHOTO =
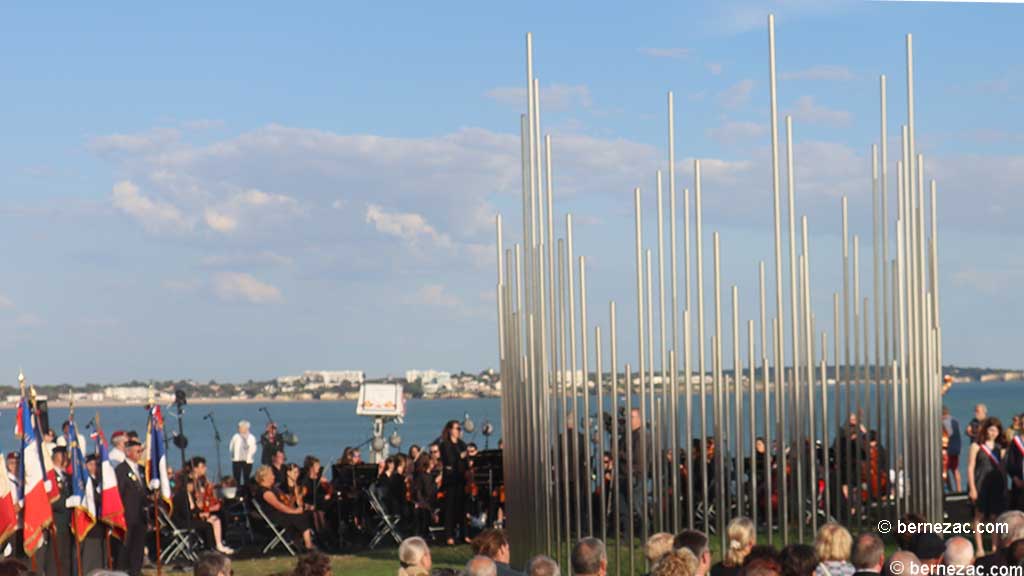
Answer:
(279, 537)
(387, 524)
(180, 542)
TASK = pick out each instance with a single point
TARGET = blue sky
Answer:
(239, 191)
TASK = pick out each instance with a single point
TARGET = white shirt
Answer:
(242, 448)
(63, 441)
(116, 456)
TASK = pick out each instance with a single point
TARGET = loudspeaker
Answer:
(957, 507)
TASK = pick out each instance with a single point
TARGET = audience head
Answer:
(762, 551)
(212, 564)
(905, 539)
(868, 553)
(761, 566)
(798, 560)
(697, 543)
(905, 559)
(265, 476)
(657, 546)
(492, 543)
(481, 566)
(1014, 521)
(680, 562)
(589, 558)
(133, 449)
(929, 548)
(243, 426)
(413, 553)
(542, 566)
(741, 538)
(313, 564)
(959, 552)
(833, 543)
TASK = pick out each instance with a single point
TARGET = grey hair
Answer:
(481, 566)
(542, 566)
(959, 552)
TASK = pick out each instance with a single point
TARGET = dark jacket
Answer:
(133, 493)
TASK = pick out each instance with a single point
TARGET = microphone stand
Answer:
(216, 440)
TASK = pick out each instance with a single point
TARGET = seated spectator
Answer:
(761, 566)
(493, 543)
(481, 566)
(414, 557)
(1014, 520)
(905, 539)
(680, 562)
(741, 538)
(589, 558)
(929, 548)
(798, 560)
(542, 566)
(906, 561)
(697, 543)
(313, 564)
(959, 552)
(212, 564)
(832, 546)
(657, 546)
(868, 555)
(761, 552)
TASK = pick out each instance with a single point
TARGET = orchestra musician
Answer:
(453, 474)
(317, 490)
(424, 491)
(196, 505)
(289, 517)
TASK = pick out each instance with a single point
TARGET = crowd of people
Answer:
(835, 552)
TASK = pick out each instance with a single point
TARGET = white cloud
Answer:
(235, 286)
(822, 72)
(733, 132)
(220, 222)
(28, 320)
(807, 110)
(554, 97)
(674, 53)
(714, 67)
(408, 226)
(5, 303)
(154, 215)
(438, 296)
(145, 142)
(736, 95)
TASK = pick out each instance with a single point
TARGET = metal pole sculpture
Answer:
(759, 452)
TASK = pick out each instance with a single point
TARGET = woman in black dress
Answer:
(453, 474)
(424, 491)
(283, 513)
(986, 475)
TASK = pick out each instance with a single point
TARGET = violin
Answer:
(205, 496)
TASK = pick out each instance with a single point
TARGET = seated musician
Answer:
(393, 479)
(282, 512)
(196, 506)
(319, 495)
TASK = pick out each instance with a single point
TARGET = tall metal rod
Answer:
(886, 355)
(848, 458)
(823, 377)
(794, 330)
(587, 459)
(616, 464)
(721, 450)
(575, 465)
(599, 460)
(702, 389)
(563, 392)
(688, 427)
(811, 421)
(631, 470)
(649, 417)
(779, 313)
(752, 389)
(642, 357)
(857, 385)
(676, 511)
(737, 380)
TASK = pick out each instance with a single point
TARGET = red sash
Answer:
(1018, 444)
(991, 455)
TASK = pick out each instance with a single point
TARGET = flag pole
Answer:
(156, 494)
(38, 426)
(21, 384)
(73, 444)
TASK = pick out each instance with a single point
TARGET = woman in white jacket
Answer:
(243, 450)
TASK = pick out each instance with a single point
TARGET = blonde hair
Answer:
(741, 536)
(658, 545)
(833, 543)
(411, 553)
(262, 472)
(681, 562)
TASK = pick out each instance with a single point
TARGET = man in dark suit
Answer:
(93, 549)
(61, 519)
(131, 483)
(868, 555)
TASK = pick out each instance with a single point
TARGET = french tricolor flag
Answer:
(34, 502)
(156, 463)
(111, 506)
